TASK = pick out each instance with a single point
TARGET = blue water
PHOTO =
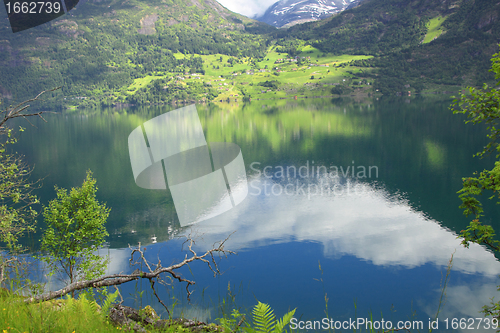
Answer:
(383, 240)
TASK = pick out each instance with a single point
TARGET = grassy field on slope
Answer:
(434, 29)
(310, 73)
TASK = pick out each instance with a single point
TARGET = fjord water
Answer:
(350, 201)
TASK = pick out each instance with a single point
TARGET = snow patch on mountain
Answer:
(285, 12)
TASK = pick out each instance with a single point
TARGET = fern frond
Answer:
(108, 302)
(87, 305)
(83, 303)
(281, 323)
(263, 318)
(70, 302)
(93, 307)
(82, 299)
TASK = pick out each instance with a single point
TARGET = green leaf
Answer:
(281, 323)
(108, 302)
(263, 318)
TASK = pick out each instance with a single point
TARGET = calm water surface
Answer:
(376, 238)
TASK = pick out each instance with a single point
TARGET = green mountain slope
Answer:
(463, 36)
(140, 52)
(374, 27)
(100, 47)
(459, 56)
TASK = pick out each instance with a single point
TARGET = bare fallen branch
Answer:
(158, 297)
(151, 274)
(16, 111)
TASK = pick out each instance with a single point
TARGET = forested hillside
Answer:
(102, 46)
(459, 56)
(464, 35)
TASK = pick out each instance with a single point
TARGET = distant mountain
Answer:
(286, 13)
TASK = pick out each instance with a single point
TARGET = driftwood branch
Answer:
(151, 274)
(152, 281)
(16, 111)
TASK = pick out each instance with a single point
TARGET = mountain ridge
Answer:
(286, 13)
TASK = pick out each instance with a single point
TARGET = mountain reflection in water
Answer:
(383, 239)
